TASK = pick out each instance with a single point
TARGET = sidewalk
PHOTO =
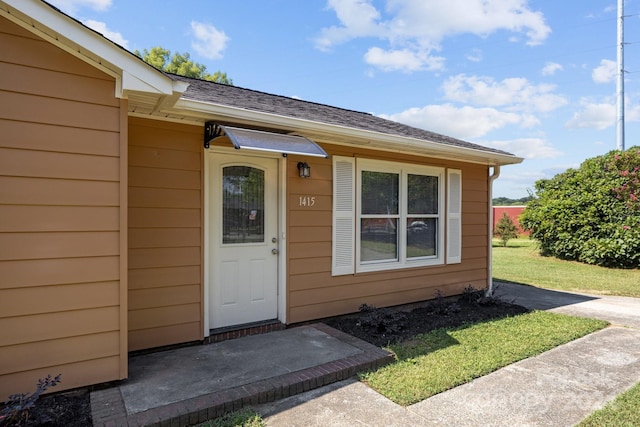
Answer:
(557, 388)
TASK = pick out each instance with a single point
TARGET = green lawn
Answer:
(520, 262)
(244, 418)
(622, 412)
(442, 359)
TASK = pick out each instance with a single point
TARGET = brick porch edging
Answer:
(108, 409)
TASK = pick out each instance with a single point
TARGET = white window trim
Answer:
(403, 169)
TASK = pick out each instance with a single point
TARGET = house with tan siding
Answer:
(140, 209)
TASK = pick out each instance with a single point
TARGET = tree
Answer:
(505, 229)
(505, 201)
(590, 214)
(181, 64)
(627, 165)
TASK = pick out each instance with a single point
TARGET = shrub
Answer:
(18, 410)
(505, 229)
(590, 214)
(381, 320)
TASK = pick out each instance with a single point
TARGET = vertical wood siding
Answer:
(312, 292)
(60, 209)
(165, 234)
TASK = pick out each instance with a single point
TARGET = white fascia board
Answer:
(87, 45)
(377, 140)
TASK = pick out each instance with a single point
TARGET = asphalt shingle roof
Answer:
(234, 96)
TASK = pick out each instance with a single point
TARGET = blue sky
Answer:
(535, 78)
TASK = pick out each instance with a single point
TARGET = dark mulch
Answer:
(69, 409)
(379, 326)
(384, 326)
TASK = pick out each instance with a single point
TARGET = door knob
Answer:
(275, 251)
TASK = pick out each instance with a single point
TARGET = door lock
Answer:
(274, 240)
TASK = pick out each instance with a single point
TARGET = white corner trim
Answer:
(206, 283)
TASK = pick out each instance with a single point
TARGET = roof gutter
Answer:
(492, 177)
(359, 137)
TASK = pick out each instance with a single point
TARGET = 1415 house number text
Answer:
(307, 201)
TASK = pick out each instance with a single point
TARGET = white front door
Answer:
(243, 241)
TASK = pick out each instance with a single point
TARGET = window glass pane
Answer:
(421, 237)
(378, 239)
(422, 194)
(379, 193)
(242, 205)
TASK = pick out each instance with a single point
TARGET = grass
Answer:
(243, 418)
(443, 359)
(622, 412)
(520, 262)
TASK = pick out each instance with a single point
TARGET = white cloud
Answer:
(605, 72)
(101, 27)
(433, 20)
(601, 115)
(475, 55)
(516, 94)
(420, 25)
(402, 60)
(72, 6)
(551, 68)
(460, 122)
(358, 18)
(593, 115)
(209, 41)
(529, 148)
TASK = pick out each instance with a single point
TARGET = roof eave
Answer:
(342, 135)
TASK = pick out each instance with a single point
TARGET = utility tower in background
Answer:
(620, 80)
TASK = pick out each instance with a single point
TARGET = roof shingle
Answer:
(234, 96)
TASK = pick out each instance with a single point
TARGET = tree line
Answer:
(180, 64)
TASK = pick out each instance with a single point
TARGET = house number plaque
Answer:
(306, 201)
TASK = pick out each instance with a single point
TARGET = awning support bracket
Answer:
(212, 130)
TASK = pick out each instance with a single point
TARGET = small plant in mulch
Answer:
(381, 320)
(471, 295)
(443, 307)
(19, 410)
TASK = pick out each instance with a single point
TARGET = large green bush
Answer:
(590, 214)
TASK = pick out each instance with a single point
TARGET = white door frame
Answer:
(282, 222)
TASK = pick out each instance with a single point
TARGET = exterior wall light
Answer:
(304, 170)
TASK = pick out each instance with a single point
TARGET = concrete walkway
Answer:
(557, 388)
(616, 310)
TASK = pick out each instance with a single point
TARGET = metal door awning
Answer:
(265, 141)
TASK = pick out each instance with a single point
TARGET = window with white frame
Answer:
(391, 215)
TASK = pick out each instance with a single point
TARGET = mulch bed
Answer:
(384, 326)
(69, 409)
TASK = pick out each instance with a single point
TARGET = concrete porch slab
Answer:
(193, 384)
